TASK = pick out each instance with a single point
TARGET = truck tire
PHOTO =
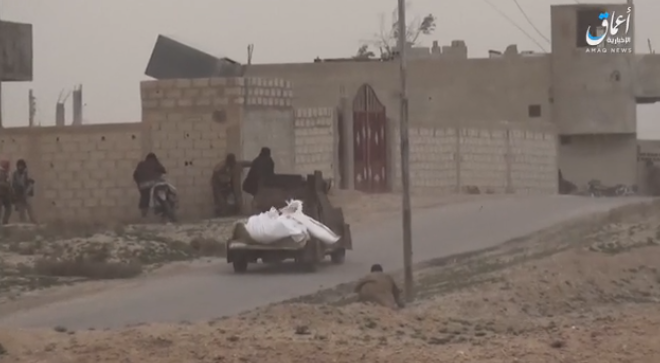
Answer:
(240, 265)
(338, 256)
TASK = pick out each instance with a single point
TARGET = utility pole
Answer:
(405, 156)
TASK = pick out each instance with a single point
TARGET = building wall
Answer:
(593, 93)
(84, 173)
(80, 172)
(612, 159)
(498, 157)
(189, 141)
(440, 90)
(316, 141)
(268, 121)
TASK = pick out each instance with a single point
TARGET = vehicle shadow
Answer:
(282, 268)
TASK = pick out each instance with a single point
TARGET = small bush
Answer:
(95, 270)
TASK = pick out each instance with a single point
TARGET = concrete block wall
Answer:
(84, 173)
(316, 141)
(482, 163)
(432, 159)
(81, 173)
(494, 157)
(268, 121)
(14, 146)
(188, 122)
(88, 173)
(533, 165)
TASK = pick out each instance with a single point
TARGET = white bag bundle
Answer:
(314, 227)
(269, 227)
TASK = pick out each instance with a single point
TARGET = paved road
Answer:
(215, 291)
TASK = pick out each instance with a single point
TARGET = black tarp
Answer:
(171, 59)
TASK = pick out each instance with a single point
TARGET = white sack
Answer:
(314, 227)
(270, 227)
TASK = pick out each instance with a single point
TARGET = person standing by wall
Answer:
(5, 192)
(225, 182)
(23, 189)
(262, 167)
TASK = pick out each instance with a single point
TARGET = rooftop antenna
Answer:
(651, 50)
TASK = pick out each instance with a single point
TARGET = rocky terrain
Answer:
(586, 291)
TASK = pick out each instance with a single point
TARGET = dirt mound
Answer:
(584, 292)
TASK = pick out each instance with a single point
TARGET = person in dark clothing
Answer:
(224, 184)
(145, 175)
(6, 193)
(23, 189)
(262, 167)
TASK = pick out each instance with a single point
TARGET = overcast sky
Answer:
(105, 45)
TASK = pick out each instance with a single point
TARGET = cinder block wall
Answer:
(494, 157)
(316, 141)
(82, 173)
(190, 123)
(268, 121)
(432, 159)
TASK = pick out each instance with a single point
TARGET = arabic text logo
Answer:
(610, 28)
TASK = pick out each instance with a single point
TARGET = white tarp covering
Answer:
(290, 221)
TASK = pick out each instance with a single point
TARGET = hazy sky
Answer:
(105, 45)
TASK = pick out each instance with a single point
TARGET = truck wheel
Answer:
(338, 256)
(240, 265)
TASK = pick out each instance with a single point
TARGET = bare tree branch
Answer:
(386, 40)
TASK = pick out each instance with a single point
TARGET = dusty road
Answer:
(213, 292)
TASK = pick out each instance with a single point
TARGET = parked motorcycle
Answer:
(163, 200)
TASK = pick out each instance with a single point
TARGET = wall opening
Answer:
(587, 19)
(565, 139)
(534, 110)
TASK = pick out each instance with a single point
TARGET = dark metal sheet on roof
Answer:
(171, 59)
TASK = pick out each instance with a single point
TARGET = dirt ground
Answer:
(586, 291)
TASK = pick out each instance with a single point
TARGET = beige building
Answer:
(590, 98)
(503, 124)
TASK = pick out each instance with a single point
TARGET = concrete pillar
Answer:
(77, 106)
(348, 138)
(59, 115)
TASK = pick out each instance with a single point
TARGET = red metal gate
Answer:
(370, 132)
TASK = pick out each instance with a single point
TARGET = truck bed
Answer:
(241, 240)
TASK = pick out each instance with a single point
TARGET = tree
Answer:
(386, 41)
(364, 52)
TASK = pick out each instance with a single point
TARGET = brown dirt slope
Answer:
(587, 291)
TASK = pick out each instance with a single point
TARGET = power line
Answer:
(514, 24)
(530, 22)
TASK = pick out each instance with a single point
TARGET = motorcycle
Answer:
(163, 200)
